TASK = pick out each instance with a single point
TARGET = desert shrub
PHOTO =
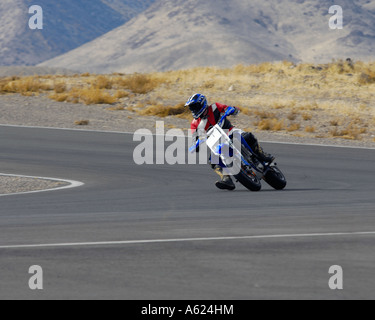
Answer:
(82, 122)
(102, 82)
(292, 115)
(26, 86)
(165, 111)
(264, 114)
(121, 94)
(350, 132)
(139, 83)
(367, 77)
(59, 87)
(293, 127)
(271, 124)
(310, 129)
(59, 97)
(85, 95)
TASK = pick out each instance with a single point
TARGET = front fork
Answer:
(247, 158)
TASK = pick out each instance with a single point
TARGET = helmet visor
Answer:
(195, 107)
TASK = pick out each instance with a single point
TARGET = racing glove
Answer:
(233, 111)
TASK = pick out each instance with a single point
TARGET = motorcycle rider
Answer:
(205, 117)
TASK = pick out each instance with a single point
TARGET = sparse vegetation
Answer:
(82, 122)
(102, 82)
(367, 77)
(117, 108)
(264, 114)
(270, 124)
(330, 100)
(25, 86)
(335, 122)
(293, 127)
(351, 132)
(165, 111)
(293, 115)
(87, 96)
(138, 83)
(121, 94)
(59, 87)
(310, 129)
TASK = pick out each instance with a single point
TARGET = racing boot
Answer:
(254, 144)
(226, 182)
(262, 156)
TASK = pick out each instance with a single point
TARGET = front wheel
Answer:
(249, 180)
(275, 178)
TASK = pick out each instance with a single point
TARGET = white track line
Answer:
(72, 184)
(115, 243)
(132, 133)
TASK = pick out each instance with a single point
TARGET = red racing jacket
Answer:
(215, 112)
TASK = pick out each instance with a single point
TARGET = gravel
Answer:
(44, 112)
(9, 185)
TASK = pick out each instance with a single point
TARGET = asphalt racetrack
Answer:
(165, 232)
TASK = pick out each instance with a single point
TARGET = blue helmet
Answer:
(197, 105)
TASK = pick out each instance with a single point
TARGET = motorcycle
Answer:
(238, 158)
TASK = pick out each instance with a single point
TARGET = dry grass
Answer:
(138, 83)
(60, 97)
(310, 129)
(292, 116)
(165, 111)
(87, 96)
(335, 122)
(117, 108)
(270, 125)
(102, 82)
(85, 88)
(4, 83)
(332, 100)
(82, 122)
(351, 132)
(246, 111)
(94, 96)
(121, 94)
(264, 114)
(25, 86)
(367, 77)
(60, 87)
(293, 127)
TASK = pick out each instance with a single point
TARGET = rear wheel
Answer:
(275, 178)
(248, 179)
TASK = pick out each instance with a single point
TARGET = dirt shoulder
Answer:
(41, 111)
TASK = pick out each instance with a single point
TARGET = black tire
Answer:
(249, 180)
(275, 178)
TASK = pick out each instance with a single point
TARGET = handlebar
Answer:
(229, 111)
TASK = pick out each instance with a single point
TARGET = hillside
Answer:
(128, 9)
(175, 34)
(67, 25)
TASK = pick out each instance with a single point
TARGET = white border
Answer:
(132, 133)
(72, 184)
(135, 242)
